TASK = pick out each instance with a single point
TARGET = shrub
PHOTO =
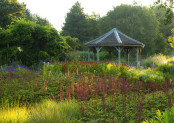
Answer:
(145, 75)
(155, 60)
(167, 69)
(162, 117)
(170, 60)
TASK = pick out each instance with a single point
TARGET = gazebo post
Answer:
(137, 49)
(119, 54)
(139, 57)
(88, 54)
(94, 54)
(119, 51)
(98, 50)
(127, 55)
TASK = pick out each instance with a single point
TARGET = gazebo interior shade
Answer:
(114, 38)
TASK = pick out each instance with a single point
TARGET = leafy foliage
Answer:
(155, 60)
(102, 92)
(162, 117)
(28, 43)
(76, 23)
(9, 10)
(36, 18)
(147, 75)
(171, 39)
(137, 22)
(168, 6)
(167, 69)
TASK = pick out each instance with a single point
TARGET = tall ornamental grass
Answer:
(47, 111)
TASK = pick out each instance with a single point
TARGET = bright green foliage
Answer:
(72, 42)
(167, 69)
(162, 117)
(47, 111)
(170, 60)
(171, 39)
(154, 61)
(10, 9)
(76, 23)
(147, 75)
(28, 43)
(137, 22)
(52, 112)
(14, 115)
(100, 68)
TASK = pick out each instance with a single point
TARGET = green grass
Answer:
(47, 111)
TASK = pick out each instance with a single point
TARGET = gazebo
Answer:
(117, 40)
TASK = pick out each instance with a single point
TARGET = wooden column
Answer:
(127, 55)
(119, 54)
(88, 54)
(94, 54)
(98, 51)
(139, 57)
(137, 49)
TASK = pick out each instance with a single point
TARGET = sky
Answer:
(55, 10)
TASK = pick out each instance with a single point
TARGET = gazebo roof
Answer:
(114, 38)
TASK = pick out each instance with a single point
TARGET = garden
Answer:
(80, 91)
(45, 76)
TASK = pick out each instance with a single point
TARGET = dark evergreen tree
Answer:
(76, 24)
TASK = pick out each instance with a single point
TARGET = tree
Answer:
(171, 39)
(29, 43)
(137, 22)
(93, 25)
(164, 29)
(72, 42)
(167, 5)
(76, 23)
(34, 17)
(10, 9)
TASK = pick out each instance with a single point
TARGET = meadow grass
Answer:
(47, 111)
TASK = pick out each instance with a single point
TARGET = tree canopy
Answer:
(28, 43)
(34, 17)
(10, 9)
(76, 23)
(137, 22)
(167, 5)
(171, 39)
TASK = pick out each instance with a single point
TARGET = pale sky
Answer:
(55, 10)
